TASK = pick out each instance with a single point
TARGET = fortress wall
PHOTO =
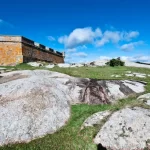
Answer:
(10, 51)
(35, 53)
(17, 49)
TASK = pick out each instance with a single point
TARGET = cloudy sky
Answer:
(86, 30)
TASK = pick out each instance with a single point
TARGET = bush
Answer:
(115, 62)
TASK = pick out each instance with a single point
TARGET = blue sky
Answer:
(85, 29)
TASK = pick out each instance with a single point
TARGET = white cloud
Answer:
(62, 39)
(131, 46)
(80, 54)
(116, 36)
(144, 58)
(51, 38)
(104, 58)
(130, 35)
(113, 36)
(109, 36)
(5, 24)
(102, 42)
(80, 36)
(141, 58)
(71, 50)
(82, 47)
(73, 56)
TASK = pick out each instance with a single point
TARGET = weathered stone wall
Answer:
(17, 49)
(10, 50)
(32, 53)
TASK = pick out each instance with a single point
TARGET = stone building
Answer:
(18, 49)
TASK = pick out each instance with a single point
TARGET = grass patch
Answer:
(70, 137)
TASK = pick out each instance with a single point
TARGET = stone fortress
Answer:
(18, 49)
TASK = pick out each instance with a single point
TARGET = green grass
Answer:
(70, 137)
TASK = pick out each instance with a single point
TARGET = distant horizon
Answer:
(85, 30)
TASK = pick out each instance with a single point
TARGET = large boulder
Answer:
(31, 106)
(91, 91)
(127, 129)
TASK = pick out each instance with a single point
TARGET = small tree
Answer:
(115, 62)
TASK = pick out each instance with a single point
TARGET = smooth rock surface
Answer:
(35, 64)
(31, 106)
(145, 98)
(1, 68)
(134, 74)
(134, 64)
(50, 66)
(129, 75)
(100, 62)
(117, 76)
(136, 86)
(86, 90)
(95, 119)
(61, 65)
(140, 75)
(92, 91)
(128, 72)
(148, 102)
(127, 129)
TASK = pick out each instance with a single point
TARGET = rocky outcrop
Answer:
(2, 70)
(36, 103)
(127, 129)
(135, 74)
(35, 64)
(92, 91)
(134, 64)
(63, 65)
(86, 90)
(145, 98)
(31, 106)
(50, 66)
(95, 119)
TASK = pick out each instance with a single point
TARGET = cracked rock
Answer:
(127, 129)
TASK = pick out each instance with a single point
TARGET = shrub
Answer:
(115, 62)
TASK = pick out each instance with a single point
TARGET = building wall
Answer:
(10, 51)
(17, 49)
(32, 53)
